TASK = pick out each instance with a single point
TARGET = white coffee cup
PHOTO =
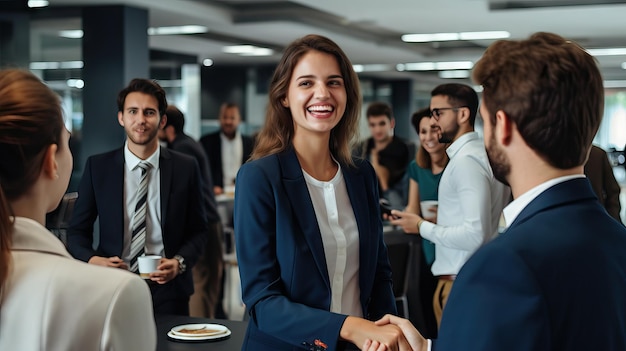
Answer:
(427, 206)
(148, 264)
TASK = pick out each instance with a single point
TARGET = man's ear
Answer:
(463, 116)
(163, 122)
(50, 167)
(120, 118)
(503, 128)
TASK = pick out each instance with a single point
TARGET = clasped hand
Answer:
(410, 339)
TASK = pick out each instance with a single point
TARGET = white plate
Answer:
(217, 331)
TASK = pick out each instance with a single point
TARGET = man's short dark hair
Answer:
(459, 95)
(379, 109)
(144, 86)
(175, 118)
(552, 90)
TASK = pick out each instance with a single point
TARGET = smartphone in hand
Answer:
(385, 208)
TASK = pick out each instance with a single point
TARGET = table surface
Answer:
(232, 343)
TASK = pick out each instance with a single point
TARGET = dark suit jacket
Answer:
(599, 171)
(212, 145)
(555, 280)
(101, 195)
(281, 258)
(188, 146)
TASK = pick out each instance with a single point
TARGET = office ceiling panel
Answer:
(370, 30)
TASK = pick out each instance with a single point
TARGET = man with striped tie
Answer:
(147, 199)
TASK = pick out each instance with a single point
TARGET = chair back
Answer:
(59, 220)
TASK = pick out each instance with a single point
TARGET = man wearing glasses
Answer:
(470, 198)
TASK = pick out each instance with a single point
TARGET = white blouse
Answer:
(340, 237)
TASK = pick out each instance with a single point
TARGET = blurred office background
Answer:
(205, 52)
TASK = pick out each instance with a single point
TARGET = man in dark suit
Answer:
(159, 210)
(227, 148)
(556, 278)
(206, 300)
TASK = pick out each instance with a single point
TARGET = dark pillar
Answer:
(402, 103)
(222, 84)
(14, 40)
(115, 50)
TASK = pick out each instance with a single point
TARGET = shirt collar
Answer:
(132, 161)
(225, 138)
(454, 148)
(511, 211)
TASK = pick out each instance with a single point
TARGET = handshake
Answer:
(415, 340)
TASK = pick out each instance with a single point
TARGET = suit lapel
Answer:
(166, 169)
(577, 189)
(357, 190)
(117, 194)
(302, 206)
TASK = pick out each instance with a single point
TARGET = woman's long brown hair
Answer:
(278, 131)
(31, 119)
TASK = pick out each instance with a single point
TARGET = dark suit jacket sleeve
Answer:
(212, 145)
(190, 147)
(186, 223)
(80, 231)
(495, 304)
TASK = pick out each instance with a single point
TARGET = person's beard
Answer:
(498, 161)
(448, 136)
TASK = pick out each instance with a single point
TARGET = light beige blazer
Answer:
(54, 302)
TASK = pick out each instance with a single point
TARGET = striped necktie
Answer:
(138, 238)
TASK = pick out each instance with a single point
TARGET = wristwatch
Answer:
(181, 264)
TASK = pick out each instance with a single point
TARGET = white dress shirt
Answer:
(470, 204)
(132, 175)
(340, 237)
(512, 210)
(232, 154)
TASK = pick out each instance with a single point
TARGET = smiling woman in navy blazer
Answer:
(314, 268)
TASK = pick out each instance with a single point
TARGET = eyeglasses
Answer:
(436, 112)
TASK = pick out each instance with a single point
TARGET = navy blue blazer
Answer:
(101, 195)
(282, 265)
(555, 280)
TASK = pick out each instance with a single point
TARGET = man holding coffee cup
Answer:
(142, 208)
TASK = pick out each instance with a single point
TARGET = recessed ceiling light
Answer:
(247, 50)
(624, 65)
(607, 51)
(614, 83)
(372, 68)
(56, 65)
(207, 62)
(437, 66)
(433, 37)
(71, 34)
(175, 30)
(37, 3)
(75, 83)
(455, 74)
